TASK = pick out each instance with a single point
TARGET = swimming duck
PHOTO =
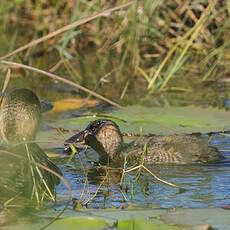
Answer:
(20, 118)
(104, 136)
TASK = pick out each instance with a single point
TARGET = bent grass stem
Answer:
(58, 78)
(66, 28)
(66, 183)
(154, 175)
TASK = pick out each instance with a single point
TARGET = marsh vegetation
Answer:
(155, 67)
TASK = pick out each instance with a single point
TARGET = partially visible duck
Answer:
(105, 137)
(20, 118)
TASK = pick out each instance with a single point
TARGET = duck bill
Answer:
(77, 140)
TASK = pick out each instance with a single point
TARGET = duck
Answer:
(104, 136)
(20, 118)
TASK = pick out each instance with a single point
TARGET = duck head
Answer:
(20, 116)
(103, 135)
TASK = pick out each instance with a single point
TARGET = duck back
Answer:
(175, 149)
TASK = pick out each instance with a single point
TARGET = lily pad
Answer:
(165, 120)
(170, 120)
(144, 225)
(84, 223)
(153, 219)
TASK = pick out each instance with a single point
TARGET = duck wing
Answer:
(175, 149)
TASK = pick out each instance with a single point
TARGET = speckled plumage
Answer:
(20, 116)
(19, 121)
(175, 149)
(105, 138)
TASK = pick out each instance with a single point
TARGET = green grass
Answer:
(149, 43)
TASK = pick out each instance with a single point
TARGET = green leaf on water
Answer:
(83, 223)
(144, 225)
(170, 120)
(165, 120)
